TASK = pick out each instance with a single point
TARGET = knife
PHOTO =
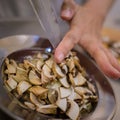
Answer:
(48, 16)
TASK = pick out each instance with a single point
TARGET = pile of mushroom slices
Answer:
(44, 86)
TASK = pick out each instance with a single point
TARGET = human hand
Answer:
(85, 29)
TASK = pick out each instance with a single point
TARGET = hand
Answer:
(85, 29)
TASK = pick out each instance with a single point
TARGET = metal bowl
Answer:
(104, 110)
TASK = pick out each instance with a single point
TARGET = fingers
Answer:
(105, 60)
(68, 9)
(112, 59)
(68, 42)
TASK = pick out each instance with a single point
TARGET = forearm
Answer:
(100, 7)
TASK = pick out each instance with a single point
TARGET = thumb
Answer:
(68, 9)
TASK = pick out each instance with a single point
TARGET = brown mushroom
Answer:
(57, 71)
(65, 92)
(11, 83)
(47, 109)
(23, 86)
(62, 104)
(64, 82)
(38, 90)
(74, 111)
(30, 105)
(33, 78)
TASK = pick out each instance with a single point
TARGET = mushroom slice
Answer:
(23, 86)
(77, 96)
(38, 90)
(49, 62)
(47, 109)
(54, 85)
(70, 64)
(33, 78)
(64, 82)
(81, 91)
(74, 111)
(71, 79)
(52, 96)
(44, 79)
(79, 79)
(64, 67)
(34, 100)
(39, 64)
(21, 75)
(57, 70)
(77, 64)
(28, 64)
(62, 104)
(11, 83)
(91, 87)
(72, 95)
(30, 105)
(64, 92)
(47, 72)
(11, 65)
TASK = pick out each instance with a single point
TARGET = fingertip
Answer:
(67, 14)
(58, 56)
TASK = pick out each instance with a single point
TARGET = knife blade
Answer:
(48, 15)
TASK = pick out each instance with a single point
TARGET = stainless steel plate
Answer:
(104, 110)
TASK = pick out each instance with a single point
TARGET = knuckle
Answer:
(72, 38)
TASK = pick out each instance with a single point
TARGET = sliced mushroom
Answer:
(79, 80)
(33, 78)
(70, 64)
(23, 86)
(11, 65)
(28, 64)
(49, 62)
(34, 100)
(52, 96)
(47, 72)
(62, 104)
(42, 85)
(44, 79)
(39, 65)
(77, 63)
(81, 91)
(64, 67)
(72, 95)
(47, 109)
(57, 71)
(64, 92)
(71, 79)
(21, 75)
(74, 111)
(30, 105)
(64, 82)
(91, 87)
(54, 85)
(12, 83)
(38, 90)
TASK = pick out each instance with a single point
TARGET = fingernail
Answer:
(60, 57)
(67, 13)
